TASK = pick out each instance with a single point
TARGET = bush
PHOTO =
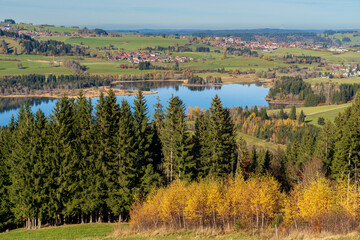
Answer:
(321, 121)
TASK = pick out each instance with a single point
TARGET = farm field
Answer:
(128, 42)
(34, 64)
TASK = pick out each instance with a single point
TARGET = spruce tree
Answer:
(84, 120)
(40, 158)
(201, 144)
(65, 158)
(6, 146)
(243, 158)
(146, 166)
(221, 134)
(301, 118)
(325, 143)
(292, 115)
(253, 160)
(121, 195)
(22, 191)
(175, 143)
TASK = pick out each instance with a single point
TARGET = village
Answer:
(137, 57)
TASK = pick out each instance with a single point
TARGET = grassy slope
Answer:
(330, 57)
(355, 40)
(259, 143)
(329, 112)
(315, 81)
(129, 42)
(33, 64)
(51, 29)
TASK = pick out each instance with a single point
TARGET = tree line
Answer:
(85, 165)
(48, 47)
(312, 186)
(24, 84)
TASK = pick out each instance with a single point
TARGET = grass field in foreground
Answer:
(329, 112)
(121, 231)
(79, 231)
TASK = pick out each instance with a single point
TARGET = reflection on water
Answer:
(203, 88)
(231, 95)
(154, 85)
(148, 85)
(8, 104)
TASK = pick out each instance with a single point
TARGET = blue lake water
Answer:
(231, 95)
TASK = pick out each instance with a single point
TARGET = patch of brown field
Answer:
(208, 233)
(121, 232)
(303, 235)
(74, 93)
(247, 78)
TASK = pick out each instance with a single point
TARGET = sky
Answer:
(187, 14)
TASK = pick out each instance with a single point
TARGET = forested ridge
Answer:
(47, 48)
(295, 89)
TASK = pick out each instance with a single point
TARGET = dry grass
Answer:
(302, 235)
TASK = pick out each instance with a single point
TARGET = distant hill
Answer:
(221, 32)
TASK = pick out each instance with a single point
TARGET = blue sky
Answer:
(188, 14)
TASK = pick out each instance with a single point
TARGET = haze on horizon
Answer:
(187, 14)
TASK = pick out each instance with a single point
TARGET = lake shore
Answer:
(74, 93)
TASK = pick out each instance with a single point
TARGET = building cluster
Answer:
(237, 43)
(137, 57)
(342, 71)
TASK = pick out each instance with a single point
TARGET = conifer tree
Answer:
(301, 118)
(66, 158)
(22, 168)
(175, 143)
(202, 142)
(84, 120)
(221, 133)
(292, 115)
(347, 145)
(253, 160)
(146, 168)
(40, 158)
(121, 196)
(325, 143)
(243, 159)
(6, 146)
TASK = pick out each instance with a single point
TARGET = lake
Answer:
(231, 95)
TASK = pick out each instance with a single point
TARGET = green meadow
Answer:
(332, 58)
(314, 81)
(329, 112)
(128, 42)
